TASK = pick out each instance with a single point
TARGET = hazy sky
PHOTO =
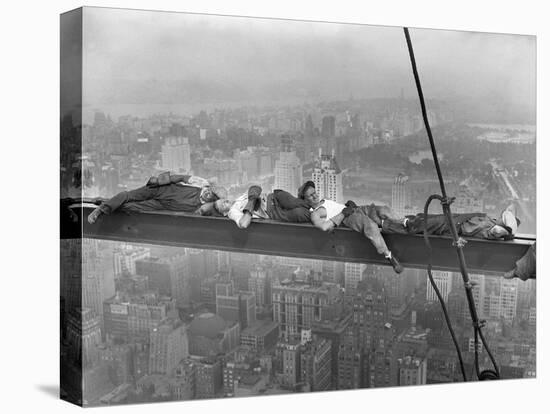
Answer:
(147, 57)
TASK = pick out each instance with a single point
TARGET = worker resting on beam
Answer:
(172, 192)
(307, 208)
(278, 205)
(327, 215)
(478, 225)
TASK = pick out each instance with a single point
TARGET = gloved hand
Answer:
(351, 203)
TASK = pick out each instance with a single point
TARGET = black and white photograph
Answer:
(252, 195)
(288, 205)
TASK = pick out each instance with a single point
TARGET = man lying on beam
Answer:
(327, 215)
(478, 225)
(278, 205)
(173, 192)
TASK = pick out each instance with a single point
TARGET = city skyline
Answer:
(213, 60)
(333, 103)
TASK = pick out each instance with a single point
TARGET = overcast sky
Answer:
(144, 57)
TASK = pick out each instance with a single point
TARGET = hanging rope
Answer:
(458, 242)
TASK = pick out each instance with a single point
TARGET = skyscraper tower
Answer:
(443, 281)
(168, 346)
(350, 363)
(401, 195)
(98, 281)
(316, 364)
(353, 274)
(176, 154)
(288, 170)
(328, 126)
(83, 336)
(327, 177)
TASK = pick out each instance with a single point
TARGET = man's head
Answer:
(212, 193)
(308, 193)
(223, 206)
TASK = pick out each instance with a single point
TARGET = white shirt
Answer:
(332, 207)
(236, 211)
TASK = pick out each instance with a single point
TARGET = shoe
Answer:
(510, 274)
(94, 215)
(395, 264)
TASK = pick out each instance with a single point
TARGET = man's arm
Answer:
(319, 220)
(166, 178)
(189, 179)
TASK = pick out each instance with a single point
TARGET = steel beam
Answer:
(285, 239)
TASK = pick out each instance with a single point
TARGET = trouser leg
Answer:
(361, 223)
(139, 206)
(288, 201)
(140, 194)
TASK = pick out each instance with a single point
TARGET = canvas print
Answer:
(255, 206)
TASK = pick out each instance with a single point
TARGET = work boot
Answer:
(510, 274)
(395, 264)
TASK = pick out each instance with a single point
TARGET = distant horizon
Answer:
(139, 57)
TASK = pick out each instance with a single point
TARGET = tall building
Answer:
(169, 276)
(235, 306)
(83, 336)
(298, 304)
(370, 310)
(130, 318)
(259, 282)
(328, 126)
(98, 281)
(125, 257)
(260, 336)
(288, 169)
(316, 364)
(412, 370)
(176, 155)
(350, 363)
(167, 347)
(443, 281)
(380, 369)
(327, 177)
(401, 201)
(291, 365)
(500, 298)
(353, 274)
(208, 378)
(247, 311)
(334, 331)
